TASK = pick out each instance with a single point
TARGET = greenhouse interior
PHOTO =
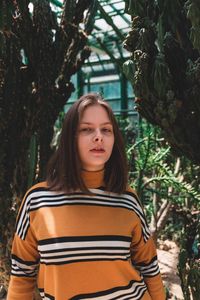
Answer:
(143, 59)
(101, 72)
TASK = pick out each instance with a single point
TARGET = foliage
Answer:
(153, 162)
(189, 257)
(164, 69)
(170, 195)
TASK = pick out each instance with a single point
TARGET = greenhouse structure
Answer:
(106, 196)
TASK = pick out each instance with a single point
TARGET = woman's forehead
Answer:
(95, 113)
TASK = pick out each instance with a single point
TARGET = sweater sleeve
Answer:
(143, 254)
(25, 257)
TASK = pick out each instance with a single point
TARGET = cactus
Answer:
(38, 56)
(161, 31)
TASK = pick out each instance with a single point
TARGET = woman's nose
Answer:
(98, 136)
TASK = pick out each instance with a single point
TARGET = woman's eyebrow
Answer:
(89, 123)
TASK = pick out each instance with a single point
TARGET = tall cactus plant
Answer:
(164, 68)
(38, 56)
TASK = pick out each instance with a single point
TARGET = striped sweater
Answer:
(78, 246)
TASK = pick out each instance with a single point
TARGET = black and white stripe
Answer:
(65, 250)
(127, 200)
(148, 270)
(134, 290)
(23, 221)
(43, 198)
(23, 268)
(45, 296)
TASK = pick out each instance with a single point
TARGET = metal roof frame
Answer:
(110, 28)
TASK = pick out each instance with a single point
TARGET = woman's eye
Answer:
(107, 130)
(86, 129)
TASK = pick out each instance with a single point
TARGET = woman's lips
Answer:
(97, 150)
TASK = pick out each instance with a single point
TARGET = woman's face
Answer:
(95, 138)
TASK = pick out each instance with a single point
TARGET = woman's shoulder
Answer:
(42, 184)
(37, 187)
(32, 193)
(132, 194)
(131, 191)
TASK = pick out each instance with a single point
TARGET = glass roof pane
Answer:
(108, 8)
(101, 23)
(120, 5)
(121, 23)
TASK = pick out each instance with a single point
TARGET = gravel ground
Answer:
(168, 260)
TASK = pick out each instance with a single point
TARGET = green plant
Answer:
(189, 257)
(161, 180)
(169, 190)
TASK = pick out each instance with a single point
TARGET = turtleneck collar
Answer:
(93, 179)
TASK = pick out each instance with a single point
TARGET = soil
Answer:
(168, 259)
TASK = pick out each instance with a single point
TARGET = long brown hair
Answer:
(64, 167)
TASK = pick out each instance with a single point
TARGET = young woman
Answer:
(82, 234)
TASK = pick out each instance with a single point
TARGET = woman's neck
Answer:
(93, 179)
